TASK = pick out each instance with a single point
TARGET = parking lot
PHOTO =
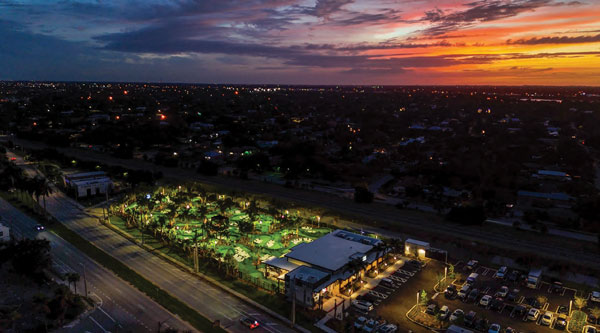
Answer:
(397, 301)
(509, 309)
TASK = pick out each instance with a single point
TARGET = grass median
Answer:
(151, 290)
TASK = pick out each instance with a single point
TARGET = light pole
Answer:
(84, 279)
(570, 305)
(445, 273)
(417, 298)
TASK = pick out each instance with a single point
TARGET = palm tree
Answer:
(11, 176)
(41, 187)
(73, 278)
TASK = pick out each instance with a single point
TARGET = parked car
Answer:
(595, 296)
(547, 318)
(510, 330)
(450, 292)
(462, 293)
(501, 273)
(589, 329)
(370, 326)
(563, 309)
(431, 309)
(591, 319)
(387, 328)
(472, 278)
(249, 322)
(482, 324)
(561, 321)
(514, 275)
(533, 302)
(485, 300)
(362, 305)
(519, 311)
(503, 292)
(458, 313)
(556, 286)
(533, 314)
(513, 295)
(470, 318)
(360, 322)
(497, 304)
(494, 328)
(444, 312)
(473, 294)
(388, 283)
(369, 298)
(472, 264)
(414, 264)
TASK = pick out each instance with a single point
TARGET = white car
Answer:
(501, 273)
(457, 314)
(472, 264)
(533, 314)
(595, 296)
(547, 318)
(389, 328)
(485, 300)
(362, 305)
(502, 292)
(360, 322)
(444, 312)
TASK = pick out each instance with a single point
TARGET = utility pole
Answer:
(293, 301)
(196, 257)
(84, 279)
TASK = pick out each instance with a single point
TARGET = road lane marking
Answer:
(95, 322)
(111, 318)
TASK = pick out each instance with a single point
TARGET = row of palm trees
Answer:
(13, 178)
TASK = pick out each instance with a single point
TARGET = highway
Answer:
(121, 307)
(210, 301)
(543, 245)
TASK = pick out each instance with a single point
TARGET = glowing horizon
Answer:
(499, 42)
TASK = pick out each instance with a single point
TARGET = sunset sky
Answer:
(549, 42)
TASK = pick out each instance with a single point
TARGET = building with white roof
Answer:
(312, 270)
(85, 184)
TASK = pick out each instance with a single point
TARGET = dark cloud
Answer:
(479, 11)
(556, 40)
(388, 16)
(325, 8)
(378, 46)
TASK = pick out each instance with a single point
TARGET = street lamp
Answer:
(417, 298)
(445, 273)
(570, 305)
(84, 279)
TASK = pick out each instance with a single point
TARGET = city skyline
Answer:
(537, 42)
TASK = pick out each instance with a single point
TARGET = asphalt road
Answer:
(121, 307)
(208, 300)
(372, 212)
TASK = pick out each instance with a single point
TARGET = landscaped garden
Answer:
(233, 235)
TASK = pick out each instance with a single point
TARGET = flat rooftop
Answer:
(307, 274)
(333, 250)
